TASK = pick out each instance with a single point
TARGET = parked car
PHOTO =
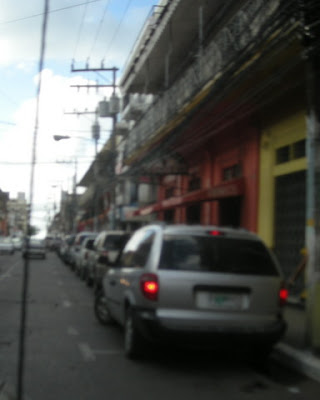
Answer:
(196, 285)
(75, 247)
(107, 246)
(34, 247)
(6, 245)
(17, 243)
(83, 254)
(65, 248)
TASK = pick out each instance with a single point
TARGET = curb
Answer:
(295, 302)
(302, 361)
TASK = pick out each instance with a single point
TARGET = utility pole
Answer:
(113, 110)
(310, 12)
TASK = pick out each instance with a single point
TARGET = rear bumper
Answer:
(34, 253)
(154, 330)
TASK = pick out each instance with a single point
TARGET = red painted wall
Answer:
(238, 143)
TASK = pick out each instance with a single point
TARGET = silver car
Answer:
(86, 248)
(6, 245)
(107, 246)
(34, 247)
(194, 285)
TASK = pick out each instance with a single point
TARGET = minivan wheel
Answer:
(259, 355)
(101, 309)
(133, 341)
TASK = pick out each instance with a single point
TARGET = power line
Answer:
(99, 27)
(50, 12)
(117, 28)
(80, 28)
(7, 123)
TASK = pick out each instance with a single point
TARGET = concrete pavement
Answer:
(291, 351)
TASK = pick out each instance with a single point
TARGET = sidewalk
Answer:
(292, 350)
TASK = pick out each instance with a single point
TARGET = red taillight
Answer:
(215, 233)
(149, 286)
(283, 295)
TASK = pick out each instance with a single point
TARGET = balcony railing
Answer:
(254, 22)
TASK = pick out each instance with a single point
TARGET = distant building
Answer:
(4, 197)
(17, 215)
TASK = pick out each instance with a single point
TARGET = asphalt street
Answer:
(70, 356)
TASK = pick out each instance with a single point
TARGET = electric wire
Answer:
(111, 42)
(51, 12)
(24, 309)
(80, 28)
(99, 27)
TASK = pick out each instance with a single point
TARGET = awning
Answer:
(233, 188)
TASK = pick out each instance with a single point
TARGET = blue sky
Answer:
(83, 30)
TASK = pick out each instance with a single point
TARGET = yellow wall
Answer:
(280, 132)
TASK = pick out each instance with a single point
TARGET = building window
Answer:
(283, 154)
(299, 149)
(291, 152)
(194, 183)
(169, 192)
(232, 172)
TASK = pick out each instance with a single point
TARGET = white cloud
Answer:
(16, 142)
(19, 54)
(20, 32)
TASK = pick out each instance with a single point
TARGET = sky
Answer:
(79, 32)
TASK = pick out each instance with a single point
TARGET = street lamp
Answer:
(60, 137)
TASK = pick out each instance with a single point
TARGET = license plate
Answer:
(222, 301)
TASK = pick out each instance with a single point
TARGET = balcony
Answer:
(230, 51)
(135, 105)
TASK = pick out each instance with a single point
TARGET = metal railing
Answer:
(237, 37)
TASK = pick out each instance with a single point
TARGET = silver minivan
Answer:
(195, 285)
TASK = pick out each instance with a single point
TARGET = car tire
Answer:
(101, 310)
(133, 341)
(259, 355)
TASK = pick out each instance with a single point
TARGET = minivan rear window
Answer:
(115, 242)
(216, 254)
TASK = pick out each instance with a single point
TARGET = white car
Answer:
(6, 245)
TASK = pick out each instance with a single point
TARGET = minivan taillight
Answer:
(149, 286)
(283, 295)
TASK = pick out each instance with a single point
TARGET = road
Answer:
(70, 356)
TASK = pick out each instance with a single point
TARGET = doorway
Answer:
(230, 212)
(193, 214)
